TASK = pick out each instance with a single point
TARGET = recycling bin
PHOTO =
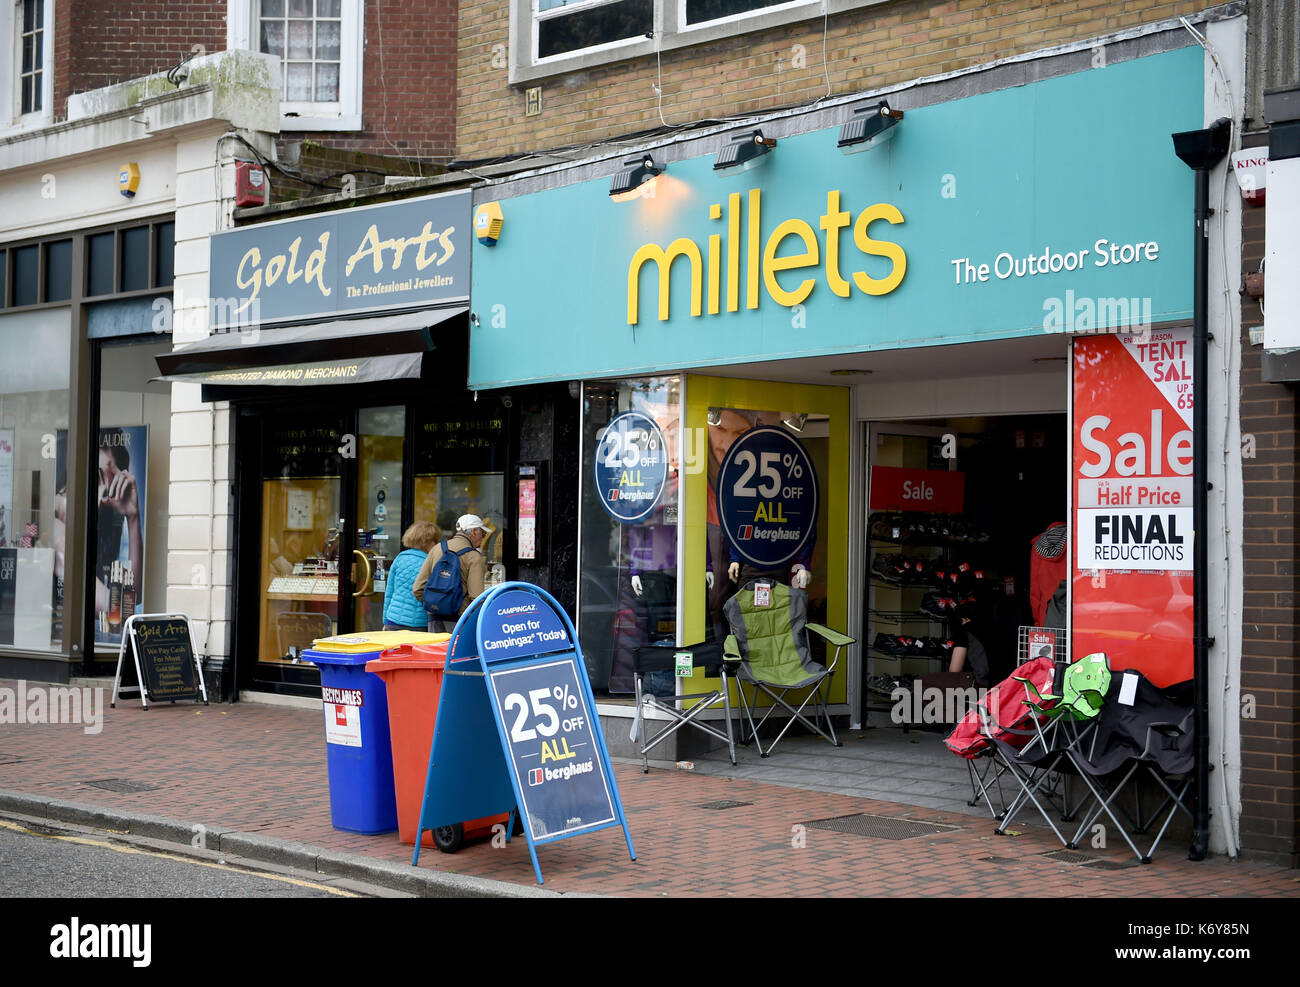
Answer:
(412, 675)
(357, 744)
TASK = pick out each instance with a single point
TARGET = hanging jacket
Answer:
(1046, 568)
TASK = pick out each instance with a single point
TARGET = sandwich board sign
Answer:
(163, 657)
(515, 727)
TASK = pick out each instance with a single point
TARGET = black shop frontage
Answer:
(340, 342)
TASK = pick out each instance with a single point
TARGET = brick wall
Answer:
(408, 84)
(1270, 672)
(408, 75)
(102, 42)
(867, 49)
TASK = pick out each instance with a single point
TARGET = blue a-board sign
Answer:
(767, 496)
(515, 728)
(631, 466)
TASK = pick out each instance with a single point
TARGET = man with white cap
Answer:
(470, 534)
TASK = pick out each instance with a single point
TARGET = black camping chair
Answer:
(1142, 731)
(662, 658)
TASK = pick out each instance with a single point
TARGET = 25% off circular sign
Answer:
(631, 466)
(767, 496)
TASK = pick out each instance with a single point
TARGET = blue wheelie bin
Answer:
(357, 742)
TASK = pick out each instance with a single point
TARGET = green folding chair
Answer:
(771, 643)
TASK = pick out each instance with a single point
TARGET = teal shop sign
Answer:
(1052, 207)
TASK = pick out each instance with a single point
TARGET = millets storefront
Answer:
(886, 377)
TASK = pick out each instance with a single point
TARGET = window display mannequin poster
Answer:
(121, 481)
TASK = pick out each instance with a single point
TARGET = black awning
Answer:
(344, 350)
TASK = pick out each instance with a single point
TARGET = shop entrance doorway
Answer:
(331, 490)
(954, 508)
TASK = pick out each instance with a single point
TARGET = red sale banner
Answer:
(1132, 469)
(894, 488)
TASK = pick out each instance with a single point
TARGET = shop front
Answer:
(83, 510)
(878, 376)
(340, 345)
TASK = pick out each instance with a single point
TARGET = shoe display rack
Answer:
(921, 575)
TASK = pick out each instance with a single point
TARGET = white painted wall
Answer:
(1225, 88)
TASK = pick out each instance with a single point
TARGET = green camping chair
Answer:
(771, 643)
(1064, 722)
(1083, 689)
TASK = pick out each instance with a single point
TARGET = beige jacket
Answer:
(473, 570)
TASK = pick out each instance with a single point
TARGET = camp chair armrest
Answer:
(830, 636)
(731, 648)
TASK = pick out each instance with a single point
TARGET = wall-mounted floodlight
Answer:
(635, 179)
(870, 126)
(744, 150)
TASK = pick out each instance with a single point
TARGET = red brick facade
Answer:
(1270, 672)
(101, 42)
(408, 84)
(408, 73)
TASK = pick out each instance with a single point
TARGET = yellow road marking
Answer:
(83, 841)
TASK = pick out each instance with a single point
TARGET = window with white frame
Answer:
(320, 45)
(27, 79)
(31, 60)
(550, 37)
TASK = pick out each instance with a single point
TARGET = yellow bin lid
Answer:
(355, 644)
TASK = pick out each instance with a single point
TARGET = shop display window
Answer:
(780, 488)
(34, 403)
(131, 490)
(460, 469)
(301, 505)
(630, 518)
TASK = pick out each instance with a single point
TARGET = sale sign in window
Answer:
(1132, 471)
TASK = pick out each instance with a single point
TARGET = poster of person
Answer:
(60, 534)
(121, 481)
(7, 535)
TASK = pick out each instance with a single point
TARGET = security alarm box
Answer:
(251, 186)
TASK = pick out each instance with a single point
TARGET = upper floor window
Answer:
(572, 25)
(319, 44)
(31, 44)
(27, 78)
(550, 37)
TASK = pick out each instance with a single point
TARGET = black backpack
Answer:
(444, 592)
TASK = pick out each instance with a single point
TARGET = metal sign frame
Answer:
(128, 635)
(468, 776)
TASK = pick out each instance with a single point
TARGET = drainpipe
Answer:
(1201, 150)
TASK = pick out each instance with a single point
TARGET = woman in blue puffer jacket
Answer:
(402, 612)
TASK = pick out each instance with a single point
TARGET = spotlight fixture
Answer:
(715, 417)
(795, 422)
(635, 178)
(870, 127)
(746, 150)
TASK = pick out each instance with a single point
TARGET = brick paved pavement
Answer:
(262, 769)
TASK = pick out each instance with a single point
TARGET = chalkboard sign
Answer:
(164, 660)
